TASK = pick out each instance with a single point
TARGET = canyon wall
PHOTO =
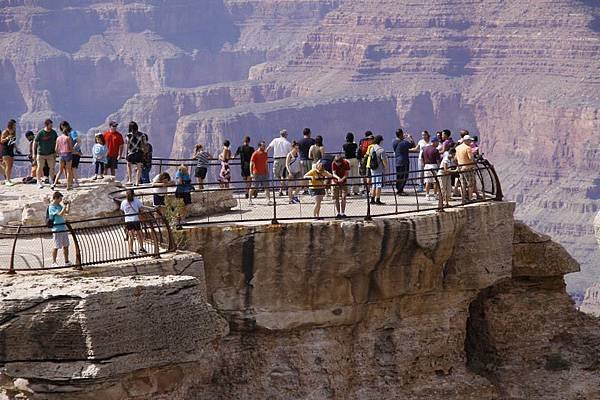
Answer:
(522, 75)
(464, 304)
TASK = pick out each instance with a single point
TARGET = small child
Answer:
(56, 213)
(444, 173)
(99, 152)
(202, 167)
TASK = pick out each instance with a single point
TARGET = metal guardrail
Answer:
(487, 184)
(92, 241)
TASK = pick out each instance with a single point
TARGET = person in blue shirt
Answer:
(402, 145)
(60, 234)
(183, 190)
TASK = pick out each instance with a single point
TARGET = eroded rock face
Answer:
(110, 338)
(591, 301)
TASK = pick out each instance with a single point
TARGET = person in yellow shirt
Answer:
(466, 166)
(318, 183)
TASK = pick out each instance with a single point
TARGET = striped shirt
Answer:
(203, 159)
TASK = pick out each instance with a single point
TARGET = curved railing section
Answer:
(259, 209)
(92, 241)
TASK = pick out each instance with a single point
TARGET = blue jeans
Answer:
(145, 178)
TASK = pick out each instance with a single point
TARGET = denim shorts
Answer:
(65, 157)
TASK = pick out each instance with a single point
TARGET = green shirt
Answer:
(46, 141)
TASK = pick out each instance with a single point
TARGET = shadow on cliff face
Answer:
(12, 99)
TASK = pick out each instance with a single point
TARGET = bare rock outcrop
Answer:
(591, 301)
(109, 338)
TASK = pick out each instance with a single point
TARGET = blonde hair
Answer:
(183, 169)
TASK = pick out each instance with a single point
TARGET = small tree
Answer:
(174, 209)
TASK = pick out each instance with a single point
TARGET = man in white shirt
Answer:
(281, 147)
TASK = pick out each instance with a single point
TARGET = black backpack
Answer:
(49, 221)
(374, 164)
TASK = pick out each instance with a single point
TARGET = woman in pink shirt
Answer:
(64, 149)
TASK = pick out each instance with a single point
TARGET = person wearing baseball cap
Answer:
(115, 146)
(466, 166)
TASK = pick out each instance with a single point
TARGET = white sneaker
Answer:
(54, 265)
(41, 186)
(269, 203)
(250, 202)
(68, 264)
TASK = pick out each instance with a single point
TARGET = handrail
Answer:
(94, 241)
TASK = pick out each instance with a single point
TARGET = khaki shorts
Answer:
(279, 168)
(49, 159)
(337, 189)
(467, 178)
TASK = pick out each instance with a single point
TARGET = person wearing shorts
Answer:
(131, 208)
(260, 171)
(8, 144)
(318, 182)
(60, 234)
(431, 160)
(64, 149)
(281, 147)
(466, 163)
(203, 159)
(44, 147)
(160, 184)
(376, 155)
(136, 147)
(115, 146)
(245, 152)
(340, 168)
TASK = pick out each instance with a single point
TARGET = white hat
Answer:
(467, 137)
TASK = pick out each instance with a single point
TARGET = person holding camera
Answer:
(55, 215)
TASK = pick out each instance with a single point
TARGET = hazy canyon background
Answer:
(524, 76)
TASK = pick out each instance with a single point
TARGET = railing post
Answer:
(368, 216)
(274, 220)
(439, 191)
(11, 265)
(76, 244)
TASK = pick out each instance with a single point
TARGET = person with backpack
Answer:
(136, 147)
(55, 219)
(131, 208)
(377, 164)
(361, 155)
(76, 154)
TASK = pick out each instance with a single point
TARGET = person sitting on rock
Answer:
(318, 183)
(56, 215)
(131, 208)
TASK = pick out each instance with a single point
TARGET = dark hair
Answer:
(319, 140)
(102, 141)
(368, 133)
(246, 139)
(164, 176)
(399, 133)
(447, 133)
(464, 132)
(65, 127)
(306, 131)
(226, 143)
(56, 195)
(133, 127)
(338, 158)
(29, 134)
(47, 122)
(452, 150)
(262, 143)
(349, 137)
(198, 147)
(294, 144)
(129, 195)
(378, 139)
(426, 133)
(11, 122)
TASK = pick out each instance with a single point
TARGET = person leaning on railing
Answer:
(294, 173)
(318, 183)
(183, 190)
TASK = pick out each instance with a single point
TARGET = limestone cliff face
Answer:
(591, 301)
(464, 304)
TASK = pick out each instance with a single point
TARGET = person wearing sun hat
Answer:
(466, 166)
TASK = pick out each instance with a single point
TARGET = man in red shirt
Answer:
(340, 168)
(260, 171)
(115, 145)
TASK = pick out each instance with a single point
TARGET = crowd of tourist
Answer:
(300, 167)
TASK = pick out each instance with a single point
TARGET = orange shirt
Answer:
(259, 162)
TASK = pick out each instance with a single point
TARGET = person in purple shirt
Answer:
(447, 141)
(431, 159)
(402, 145)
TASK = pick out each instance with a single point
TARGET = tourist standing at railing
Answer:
(60, 234)
(362, 156)
(305, 144)
(160, 184)
(115, 147)
(136, 146)
(183, 190)
(294, 173)
(377, 164)
(340, 170)
(423, 142)
(318, 183)
(225, 171)
(30, 136)
(402, 145)
(44, 147)
(74, 135)
(466, 166)
(203, 160)
(447, 141)
(8, 142)
(245, 152)
(64, 149)
(447, 167)
(316, 151)
(147, 164)
(99, 152)
(281, 146)
(260, 171)
(350, 149)
(431, 159)
(131, 208)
